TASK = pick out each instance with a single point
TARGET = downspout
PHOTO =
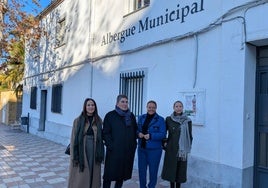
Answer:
(196, 60)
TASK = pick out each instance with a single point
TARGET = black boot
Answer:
(106, 184)
(172, 185)
(118, 184)
(178, 185)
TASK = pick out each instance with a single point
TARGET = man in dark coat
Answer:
(119, 134)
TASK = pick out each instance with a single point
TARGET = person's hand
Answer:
(164, 143)
(141, 135)
(146, 136)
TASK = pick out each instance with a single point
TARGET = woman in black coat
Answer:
(177, 147)
(119, 134)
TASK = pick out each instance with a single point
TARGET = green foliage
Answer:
(18, 27)
(13, 70)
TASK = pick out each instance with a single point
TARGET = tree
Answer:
(13, 73)
(19, 25)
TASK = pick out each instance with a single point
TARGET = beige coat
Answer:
(82, 179)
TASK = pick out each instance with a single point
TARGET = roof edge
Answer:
(49, 8)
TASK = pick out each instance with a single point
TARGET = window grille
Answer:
(56, 98)
(132, 85)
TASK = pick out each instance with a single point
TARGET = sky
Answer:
(30, 6)
(44, 3)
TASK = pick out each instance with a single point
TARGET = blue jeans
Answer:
(148, 158)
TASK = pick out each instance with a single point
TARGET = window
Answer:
(60, 32)
(33, 97)
(56, 98)
(140, 3)
(132, 85)
(133, 5)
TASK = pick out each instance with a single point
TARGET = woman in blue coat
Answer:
(151, 131)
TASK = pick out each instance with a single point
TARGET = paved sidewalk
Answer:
(28, 161)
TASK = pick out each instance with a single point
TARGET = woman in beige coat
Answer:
(86, 148)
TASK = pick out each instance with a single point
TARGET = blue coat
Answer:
(156, 129)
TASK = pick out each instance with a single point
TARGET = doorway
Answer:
(261, 120)
(43, 110)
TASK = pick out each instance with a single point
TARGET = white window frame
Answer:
(134, 5)
(138, 4)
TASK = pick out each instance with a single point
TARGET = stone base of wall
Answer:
(55, 132)
(206, 174)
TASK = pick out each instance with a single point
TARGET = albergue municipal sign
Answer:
(178, 14)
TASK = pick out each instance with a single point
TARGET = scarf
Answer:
(184, 140)
(145, 126)
(79, 144)
(126, 114)
(99, 156)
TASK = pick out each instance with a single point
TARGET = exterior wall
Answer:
(208, 50)
(10, 106)
(74, 55)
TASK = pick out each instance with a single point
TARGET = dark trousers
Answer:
(107, 184)
(172, 185)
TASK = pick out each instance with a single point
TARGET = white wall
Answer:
(256, 30)
(220, 59)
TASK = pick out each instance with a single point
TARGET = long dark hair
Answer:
(95, 113)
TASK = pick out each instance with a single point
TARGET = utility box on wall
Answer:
(25, 122)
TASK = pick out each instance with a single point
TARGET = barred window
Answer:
(132, 85)
(56, 98)
(33, 97)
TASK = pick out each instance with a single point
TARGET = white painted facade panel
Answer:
(200, 51)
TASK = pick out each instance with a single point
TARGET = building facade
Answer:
(212, 55)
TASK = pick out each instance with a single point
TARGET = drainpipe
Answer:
(28, 122)
(196, 60)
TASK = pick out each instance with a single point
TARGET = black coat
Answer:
(120, 141)
(174, 170)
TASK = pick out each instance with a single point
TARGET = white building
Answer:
(213, 51)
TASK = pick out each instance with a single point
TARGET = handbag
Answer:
(67, 151)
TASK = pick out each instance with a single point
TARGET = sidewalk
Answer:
(28, 161)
